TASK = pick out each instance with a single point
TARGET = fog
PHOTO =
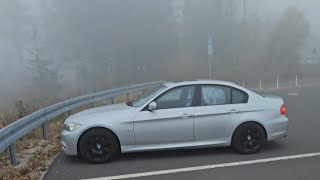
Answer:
(55, 49)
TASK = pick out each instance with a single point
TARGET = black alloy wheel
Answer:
(98, 146)
(249, 138)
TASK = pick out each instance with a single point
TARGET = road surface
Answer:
(303, 106)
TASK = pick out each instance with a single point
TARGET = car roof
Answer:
(200, 81)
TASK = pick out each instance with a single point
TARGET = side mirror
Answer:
(152, 106)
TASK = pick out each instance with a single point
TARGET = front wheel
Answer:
(98, 146)
(249, 138)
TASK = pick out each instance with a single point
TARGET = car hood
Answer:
(105, 111)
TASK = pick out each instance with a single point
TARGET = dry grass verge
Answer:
(34, 154)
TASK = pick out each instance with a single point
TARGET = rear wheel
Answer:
(249, 138)
(98, 146)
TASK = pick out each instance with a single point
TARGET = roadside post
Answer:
(210, 55)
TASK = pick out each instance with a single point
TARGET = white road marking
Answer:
(206, 167)
(293, 94)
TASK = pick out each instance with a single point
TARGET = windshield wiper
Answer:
(129, 103)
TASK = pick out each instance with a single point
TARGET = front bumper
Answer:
(69, 141)
(277, 128)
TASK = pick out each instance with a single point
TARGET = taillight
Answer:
(283, 109)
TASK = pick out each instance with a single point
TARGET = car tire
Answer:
(249, 138)
(98, 146)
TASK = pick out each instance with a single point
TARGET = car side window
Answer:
(215, 95)
(173, 95)
(176, 98)
(239, 97)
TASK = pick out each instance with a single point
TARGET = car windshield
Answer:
(147, 96)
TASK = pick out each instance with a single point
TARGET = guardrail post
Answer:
(12, 154)
(45, 130)
(128, 97)
(296, 80)
(92, 103)
(277, 82)
(69, 113)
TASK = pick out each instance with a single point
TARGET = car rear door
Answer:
(217, 109)
(171, 122)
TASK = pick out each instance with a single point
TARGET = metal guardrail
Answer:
(23, 126)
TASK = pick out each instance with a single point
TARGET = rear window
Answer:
(239, 97)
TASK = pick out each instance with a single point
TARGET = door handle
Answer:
(186, 115)
(234, 111)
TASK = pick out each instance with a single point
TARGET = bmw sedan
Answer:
(203, 113)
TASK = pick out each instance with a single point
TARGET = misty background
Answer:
(55, 49)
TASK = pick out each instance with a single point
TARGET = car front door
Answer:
(170, 122)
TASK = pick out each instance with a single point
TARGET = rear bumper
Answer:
(277, 128)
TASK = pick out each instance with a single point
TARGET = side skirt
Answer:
(183, 145)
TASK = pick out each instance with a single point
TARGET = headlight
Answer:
(71, 126)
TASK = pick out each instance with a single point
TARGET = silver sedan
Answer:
(203, 113)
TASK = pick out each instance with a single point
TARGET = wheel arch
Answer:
(97, 127)
(256, 122)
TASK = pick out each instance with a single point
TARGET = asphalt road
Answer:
(304, 137)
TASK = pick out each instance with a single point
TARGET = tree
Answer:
(11, 28)
(216, 18)
(121, 35)
(45, 76)
(286, 41)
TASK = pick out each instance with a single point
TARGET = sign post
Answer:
(210, 54)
